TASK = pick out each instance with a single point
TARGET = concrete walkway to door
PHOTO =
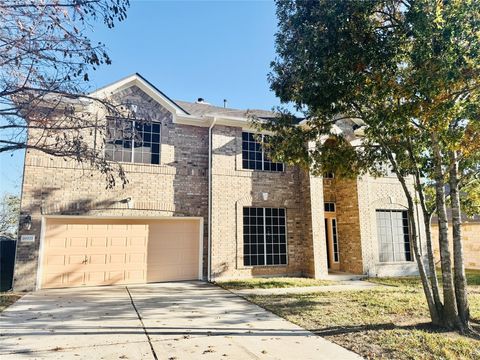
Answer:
(182, 320)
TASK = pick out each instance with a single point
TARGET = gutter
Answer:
(210, 142)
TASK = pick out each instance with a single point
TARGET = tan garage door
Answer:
(85, 252)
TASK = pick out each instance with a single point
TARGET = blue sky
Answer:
(188, 49)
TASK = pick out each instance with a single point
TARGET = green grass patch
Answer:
(269, 283)
(7, 299)
(473, 279)
(385, 322)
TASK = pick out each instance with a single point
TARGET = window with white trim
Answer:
(393, 236)
(254, 156)
(264, 236)
(132, 141)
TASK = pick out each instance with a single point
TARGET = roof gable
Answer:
(144, 85)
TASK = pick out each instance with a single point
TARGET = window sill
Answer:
(261, 171)
(396, 262)
(247, 267)
(145, 168)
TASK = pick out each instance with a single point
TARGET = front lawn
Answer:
(389, 322)
(268, 283)
(7, 299)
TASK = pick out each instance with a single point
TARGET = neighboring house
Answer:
(203, 202)
(470, 237)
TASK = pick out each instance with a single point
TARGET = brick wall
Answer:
(234, 188)
(176, 187)
(348, 219)
(471, 243)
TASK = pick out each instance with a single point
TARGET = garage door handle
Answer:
(85, 261)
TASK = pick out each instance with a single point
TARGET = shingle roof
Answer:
(199, 109)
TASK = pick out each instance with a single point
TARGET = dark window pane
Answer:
(261, 260)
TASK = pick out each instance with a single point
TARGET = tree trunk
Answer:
(459, 267)
(435, 315)
(427, 217)
(450, 314)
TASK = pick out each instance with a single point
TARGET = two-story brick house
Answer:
(203, 201)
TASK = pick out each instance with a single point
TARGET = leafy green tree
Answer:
(406, 72)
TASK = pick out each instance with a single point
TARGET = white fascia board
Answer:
(191, 120)
(207, 119)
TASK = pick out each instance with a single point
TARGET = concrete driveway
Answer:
(182, 320)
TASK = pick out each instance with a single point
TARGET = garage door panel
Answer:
(136, 276)
(76, 259)
(95, 228)
(118, 241)
(55, 279)
(74, 279)
(95, 277)
(56, 243)
(138, 241)
(115, 276)
(97, 259)
(78, 242)
(98, 242)
(55, 260)
(117, 258)
(138, 258)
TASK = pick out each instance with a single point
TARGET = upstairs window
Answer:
(329, 207)
(254, 156)
(132, 141)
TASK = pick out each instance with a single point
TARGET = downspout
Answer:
(209, 260)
